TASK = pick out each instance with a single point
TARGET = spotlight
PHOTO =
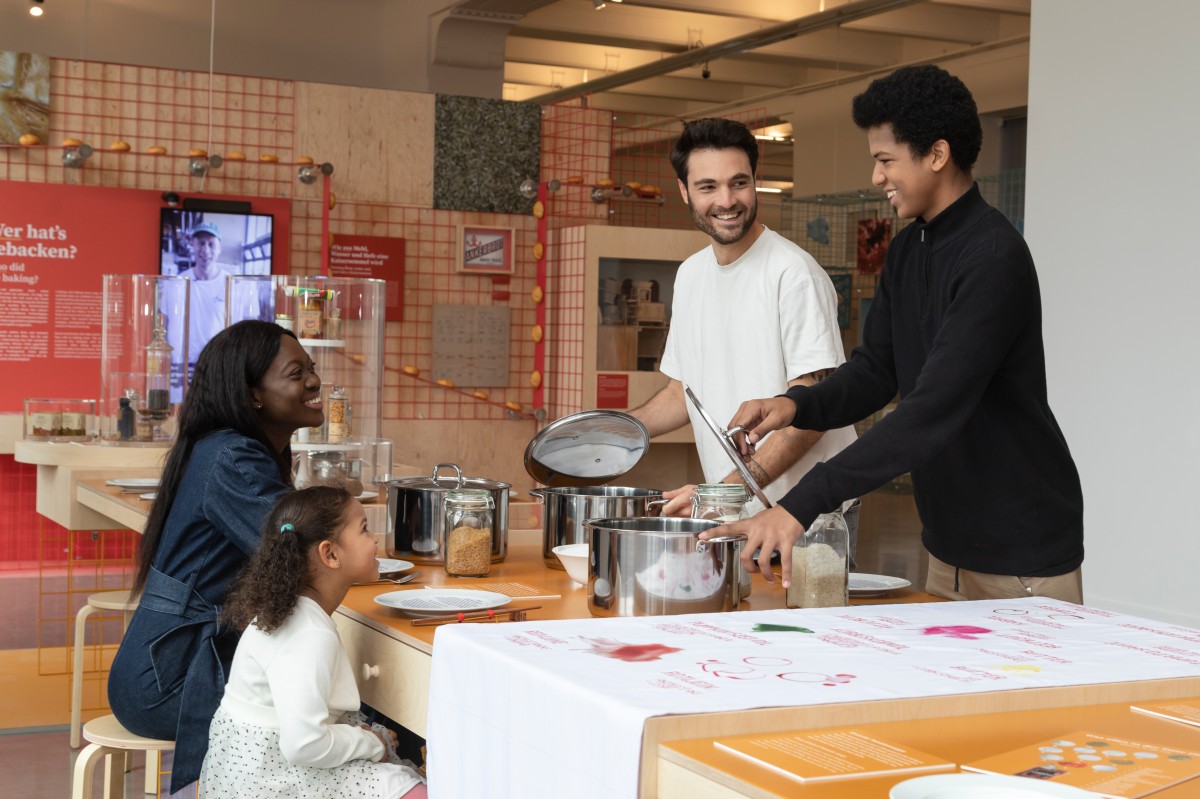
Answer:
(528, 189)
(598, 4)
(198, 165)
(309, 173)
(171, 199)
(74, 157)
(36, 8)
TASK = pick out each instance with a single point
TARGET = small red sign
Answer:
(612, 391)
(372, 256)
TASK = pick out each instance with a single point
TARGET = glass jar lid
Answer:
(723, 492)
(472, 497)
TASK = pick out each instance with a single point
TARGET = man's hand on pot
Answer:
(767, 531)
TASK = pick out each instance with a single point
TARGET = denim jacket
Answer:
(174, 646)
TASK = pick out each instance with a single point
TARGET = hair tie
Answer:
(287, 528)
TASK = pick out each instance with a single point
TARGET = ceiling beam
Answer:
(858, 9)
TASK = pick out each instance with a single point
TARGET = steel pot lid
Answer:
(440, 483)
(725, 439)
(586, 448)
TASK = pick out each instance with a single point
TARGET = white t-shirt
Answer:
(206, 310)
(742, 331)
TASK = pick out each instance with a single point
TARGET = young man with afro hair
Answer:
(955, 330)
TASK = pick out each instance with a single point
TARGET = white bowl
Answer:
(574, 559)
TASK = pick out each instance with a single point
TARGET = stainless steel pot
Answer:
(416, 528)
(567, 509)
(659, 567)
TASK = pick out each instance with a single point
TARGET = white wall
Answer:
(1111, 217)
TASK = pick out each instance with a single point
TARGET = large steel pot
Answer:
(416, 527)
(567, 508)
(659, 567)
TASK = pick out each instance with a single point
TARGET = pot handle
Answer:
(540, 493)
(657, 504)
(457, 473)
(701, 546)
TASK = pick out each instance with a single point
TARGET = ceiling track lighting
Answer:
(35, 9)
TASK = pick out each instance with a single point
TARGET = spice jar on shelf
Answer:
(309, 316)
(333, 323)
(337, 416)
(821, 565)
(468, 518)
(724, 502)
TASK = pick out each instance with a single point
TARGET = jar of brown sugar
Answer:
(469, 521)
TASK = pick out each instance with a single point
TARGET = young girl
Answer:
(284, 727)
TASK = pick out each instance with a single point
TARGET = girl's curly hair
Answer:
(265, 592)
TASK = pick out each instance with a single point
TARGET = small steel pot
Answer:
(416, 523)
(567, 508)
(658, 567)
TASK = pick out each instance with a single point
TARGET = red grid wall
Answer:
(564, 321)
(431, 279)
(101, 103)
(576, 146)
(18, 528)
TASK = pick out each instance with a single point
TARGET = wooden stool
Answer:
(107, 738)
(105, 600)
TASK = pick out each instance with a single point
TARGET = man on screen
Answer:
(206, 312)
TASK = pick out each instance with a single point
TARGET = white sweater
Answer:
(298, 680)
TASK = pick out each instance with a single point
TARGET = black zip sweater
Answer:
(956, 329)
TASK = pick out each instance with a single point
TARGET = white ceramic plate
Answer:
(133, 482)
(367, 496)
(391, 565)
(874, 584)
(441, 601)
(984, 786)
(148, 497)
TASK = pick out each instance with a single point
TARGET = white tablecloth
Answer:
(556, 708)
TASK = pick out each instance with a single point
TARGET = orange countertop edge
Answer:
(696, 767)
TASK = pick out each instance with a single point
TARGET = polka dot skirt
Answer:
(245, 761)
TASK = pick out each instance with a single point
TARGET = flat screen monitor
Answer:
(206, 247)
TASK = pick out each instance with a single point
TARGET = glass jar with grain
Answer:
(820, 564)
(469, 521)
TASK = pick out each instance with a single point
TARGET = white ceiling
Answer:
(650, 55)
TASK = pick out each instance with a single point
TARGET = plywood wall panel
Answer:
(380, 142)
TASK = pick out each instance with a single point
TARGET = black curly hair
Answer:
(265, 592)
(924, 104)
(712, 133)
(231, 363)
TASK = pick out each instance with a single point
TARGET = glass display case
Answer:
(60, 419)
(143, 352)
(340, 323)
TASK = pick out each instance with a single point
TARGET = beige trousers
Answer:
(946, 581)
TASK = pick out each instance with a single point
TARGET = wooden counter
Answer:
(695, 769)
(61, 466)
